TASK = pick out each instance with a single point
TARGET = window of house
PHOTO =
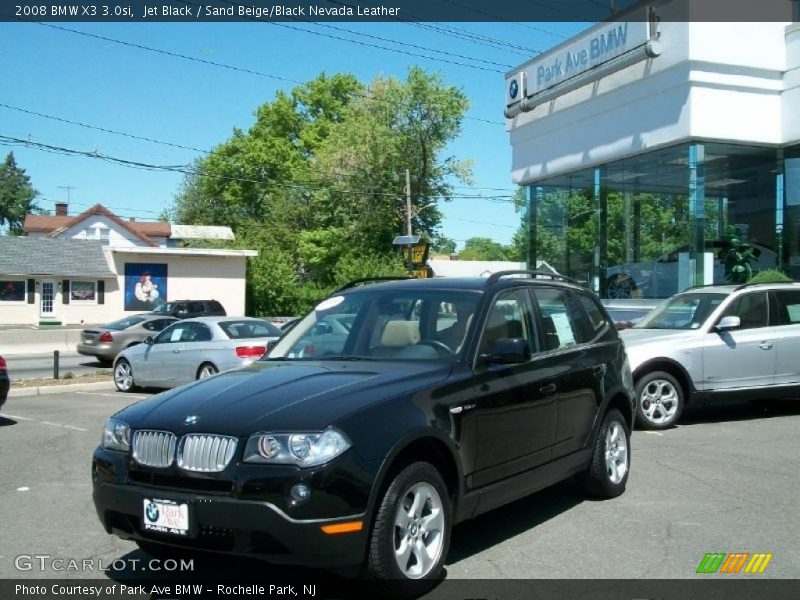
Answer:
(12, 290)
(83, 291)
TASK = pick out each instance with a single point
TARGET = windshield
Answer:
(382, 325)
(683, 311)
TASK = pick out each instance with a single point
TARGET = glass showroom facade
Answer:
(656, 223)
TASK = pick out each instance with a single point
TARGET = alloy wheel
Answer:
(123, 376)
(616, 452)
(419, 530)
(659, 401)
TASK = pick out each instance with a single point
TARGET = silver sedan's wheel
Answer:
(616, 454)
(123, 376)
(659, 400)
(206, 371)
(419, 531)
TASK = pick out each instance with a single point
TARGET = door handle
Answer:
(176, 351)
(765, 345)
(456, 410)
(548, 390)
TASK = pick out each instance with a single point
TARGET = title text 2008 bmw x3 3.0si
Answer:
(436, 401)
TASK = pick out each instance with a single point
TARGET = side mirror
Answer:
(148, 340)
(729, 322)
(509, 351)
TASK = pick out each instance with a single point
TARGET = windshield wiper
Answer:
(343, 357)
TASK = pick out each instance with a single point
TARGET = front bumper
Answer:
(232, 524)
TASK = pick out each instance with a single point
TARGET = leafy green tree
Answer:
(479, 248)
(17, 196)
(318, 182)
(441, 244)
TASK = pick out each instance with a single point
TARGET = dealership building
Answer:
(650, 148)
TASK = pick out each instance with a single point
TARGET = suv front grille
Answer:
(206, 453)
(154, 448)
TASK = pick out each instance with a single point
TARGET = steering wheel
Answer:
(438, 346)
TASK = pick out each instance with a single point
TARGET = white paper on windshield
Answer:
(563, 329)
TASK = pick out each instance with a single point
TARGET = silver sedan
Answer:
(193, 349)
(106, 341)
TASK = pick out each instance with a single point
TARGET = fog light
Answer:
(300, 492)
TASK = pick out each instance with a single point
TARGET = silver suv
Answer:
(715, 342)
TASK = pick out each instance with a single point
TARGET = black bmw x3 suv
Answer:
(425, 403)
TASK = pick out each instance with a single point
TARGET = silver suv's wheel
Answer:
(659, 400)
(411, 533)
(123, 376)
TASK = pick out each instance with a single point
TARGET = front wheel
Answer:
(411, 533)
(123, 376)
(659, 400)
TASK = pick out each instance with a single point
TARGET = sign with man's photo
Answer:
(145, 286)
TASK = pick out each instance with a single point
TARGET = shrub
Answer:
(770, 276)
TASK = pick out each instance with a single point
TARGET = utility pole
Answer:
(408, 203)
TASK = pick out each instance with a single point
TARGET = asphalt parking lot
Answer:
(723, 481)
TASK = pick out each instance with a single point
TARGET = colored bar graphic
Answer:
(733, 563)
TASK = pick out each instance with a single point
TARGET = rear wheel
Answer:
(607, 474)
(411, 533)
(206, 370)
(659, 400)
(620, 286)
(123, 376)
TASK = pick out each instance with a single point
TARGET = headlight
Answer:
(301, 449)
(117, 435)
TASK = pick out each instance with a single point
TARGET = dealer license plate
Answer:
(165, 516)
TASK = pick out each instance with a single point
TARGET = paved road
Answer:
(31, 367)
(724, 481)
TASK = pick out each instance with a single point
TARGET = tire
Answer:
(620, 286)
(206, 370)
(414, 514)
(607, 474)
(659, 400)
(123, 376)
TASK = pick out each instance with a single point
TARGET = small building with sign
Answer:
(651, 146)
(94, 268)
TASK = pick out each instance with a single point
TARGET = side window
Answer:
(558, 326)
(788, 307)
(590, 316)
(751, 309)
(166, 336)
(195, 308)
(509, 317)
(196, 332)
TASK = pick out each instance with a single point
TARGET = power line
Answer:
(103, 129)
(199, 60)
(189, 170)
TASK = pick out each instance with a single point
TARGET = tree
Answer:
(318, 182)
(17, 196)
(478, 248)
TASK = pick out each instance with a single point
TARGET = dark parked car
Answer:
(447, 399)
(189, 309)
(106, 341)
(5, 382)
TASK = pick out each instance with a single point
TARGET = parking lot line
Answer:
(133, 396)
(18, 418)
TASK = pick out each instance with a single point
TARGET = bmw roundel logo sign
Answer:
(513, 89)
(152, 512)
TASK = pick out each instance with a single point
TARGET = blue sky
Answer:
(127, 89)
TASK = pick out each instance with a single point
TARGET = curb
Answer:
(44, 390)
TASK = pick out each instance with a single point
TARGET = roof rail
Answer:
(365, 280)
(741, 286)
(494, 277)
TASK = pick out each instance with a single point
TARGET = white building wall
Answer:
(791, 85)
(720, 81)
